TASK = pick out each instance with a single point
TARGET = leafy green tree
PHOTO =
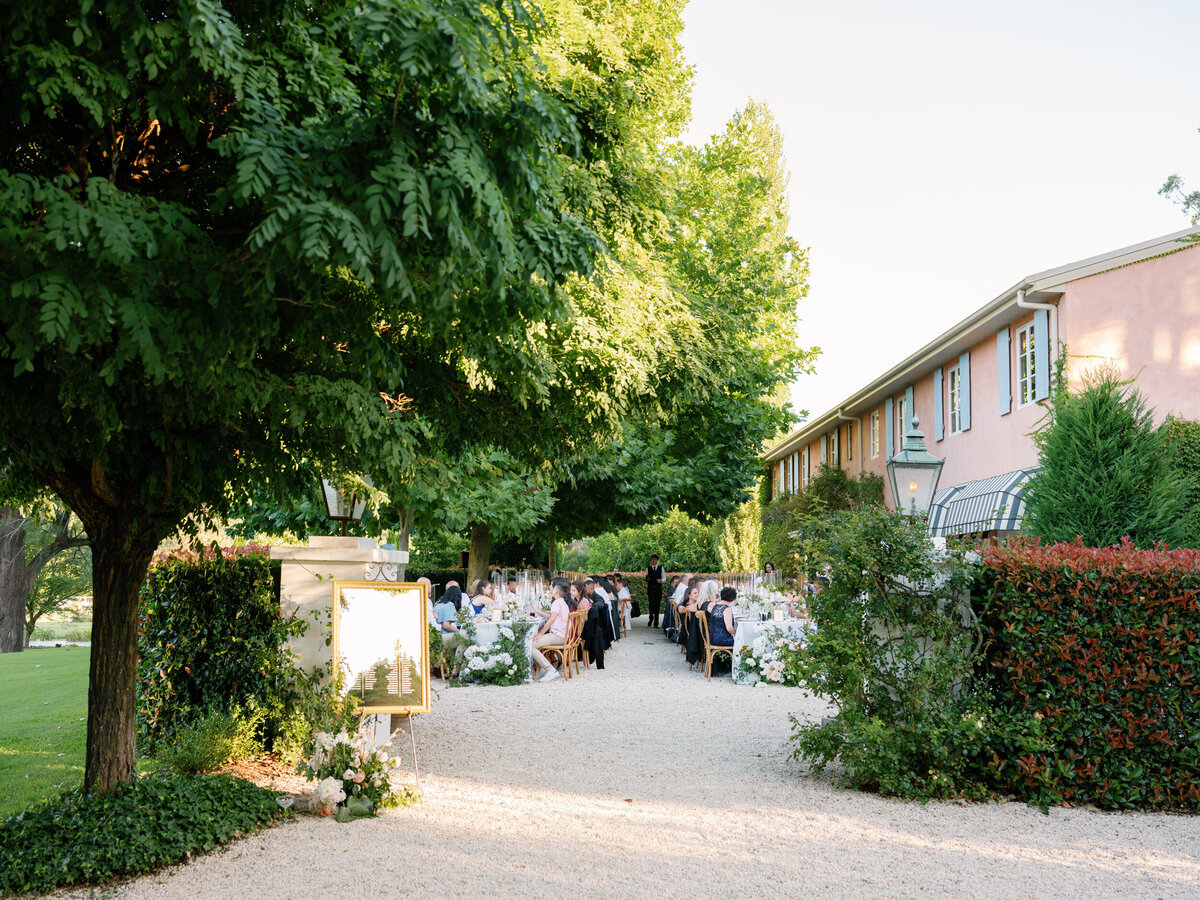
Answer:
(215, 219)
(738, 538)
(66, 576)
(1104, 473)
(730, 260)
(681, 542)
(32, 538)
(831, 490)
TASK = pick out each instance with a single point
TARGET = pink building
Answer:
(981, 388)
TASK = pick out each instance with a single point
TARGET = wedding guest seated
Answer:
(710, 590)
(669, 622)
(601, 598)
(720, 619)
(481, 596)
(446, 610)
(446, 613)
(579, 598)
(553, 631)
(624, 601)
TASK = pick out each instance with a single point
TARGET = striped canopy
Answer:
(990, 504)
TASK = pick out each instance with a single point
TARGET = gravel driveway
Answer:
(645, 780)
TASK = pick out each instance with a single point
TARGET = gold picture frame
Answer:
(381, 644)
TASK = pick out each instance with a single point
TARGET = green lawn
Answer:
(43, 728)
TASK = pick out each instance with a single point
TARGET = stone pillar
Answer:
(306, 586)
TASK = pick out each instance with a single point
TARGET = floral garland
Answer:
(771, 659)
(353, 777)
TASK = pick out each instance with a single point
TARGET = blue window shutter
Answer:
(939, 427)
(910, 410)
(1003, 354)
(824, 449)
(1041, 354)
(887, 426)
(805, 468)
(964, 368)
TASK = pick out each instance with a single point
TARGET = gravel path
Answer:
(646, 780)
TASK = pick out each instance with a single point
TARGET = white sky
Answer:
(940, 151)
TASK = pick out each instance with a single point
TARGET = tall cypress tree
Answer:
(1104, 472)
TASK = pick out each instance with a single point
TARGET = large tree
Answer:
(213, 215)
(32, 537)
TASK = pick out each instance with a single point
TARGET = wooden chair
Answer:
(710, 650)
(624, 615)
(575, 623)
(565, 650)
(686, 621)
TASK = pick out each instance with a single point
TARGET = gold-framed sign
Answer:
(777, 614)
(381, 644)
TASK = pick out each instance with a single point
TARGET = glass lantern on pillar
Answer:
(341, 508)
(914, 473)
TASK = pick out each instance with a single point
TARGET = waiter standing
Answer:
(654, 583)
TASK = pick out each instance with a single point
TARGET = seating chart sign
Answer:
(381, 644)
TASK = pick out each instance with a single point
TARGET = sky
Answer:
(941, 151)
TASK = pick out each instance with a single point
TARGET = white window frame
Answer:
(954, 406)
(902, 418)
(1026, 363)
(875, 435)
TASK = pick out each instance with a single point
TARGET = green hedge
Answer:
(211, 637)
(1095, 674)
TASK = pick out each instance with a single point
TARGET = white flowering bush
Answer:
(504, 662)
(353, 777)
(771, 659)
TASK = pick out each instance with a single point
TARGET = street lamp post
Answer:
(914, 474)
(341, 508)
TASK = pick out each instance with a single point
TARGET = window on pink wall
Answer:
(902, 422)
(955, 400)
(875, 435)
(1026, 360)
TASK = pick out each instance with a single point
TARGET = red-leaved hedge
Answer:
(1095, 668)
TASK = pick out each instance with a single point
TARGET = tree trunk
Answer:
(551, 552)
(404, 540)
(120, 556)
(481, 552)
(15, 582)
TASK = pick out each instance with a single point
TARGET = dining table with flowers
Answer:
(501, 642)
(762, 649)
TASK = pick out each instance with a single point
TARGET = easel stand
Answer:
(412, 740)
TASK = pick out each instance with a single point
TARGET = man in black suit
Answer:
(654, 583)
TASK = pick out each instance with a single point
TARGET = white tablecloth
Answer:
(748, 632)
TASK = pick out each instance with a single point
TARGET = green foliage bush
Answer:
(1094, 665)
(212, 636)
(210, 742)
(136, 828)
(1182, 448)
(436, 549)
(830, 490)
(893, 651)
(681, 542)
(1104, 470)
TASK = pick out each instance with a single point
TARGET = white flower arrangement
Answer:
(765, 660)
